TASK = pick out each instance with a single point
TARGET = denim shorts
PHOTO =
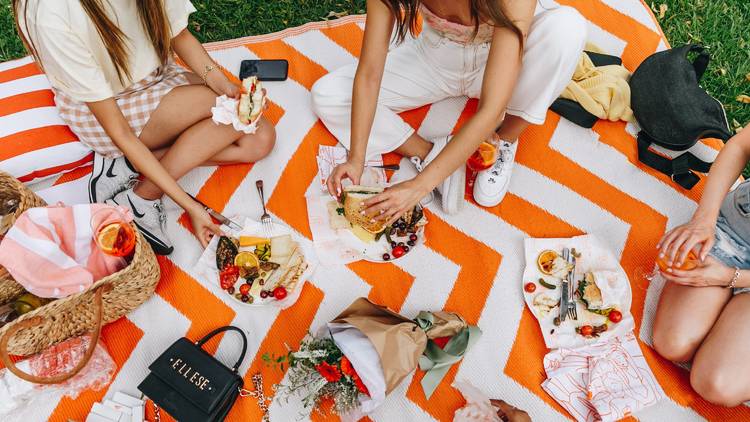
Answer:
(731, 249)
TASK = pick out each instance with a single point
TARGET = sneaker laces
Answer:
(161, 214)
(504, 156)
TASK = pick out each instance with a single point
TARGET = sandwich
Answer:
(251, 100)
(352, 201)
(590, 293)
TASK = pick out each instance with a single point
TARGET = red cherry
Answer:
(398, 252)
(263, 294)
(386, 257)
(413, 237)
(279, 293)
(245, 289)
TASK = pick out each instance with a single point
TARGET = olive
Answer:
(386, 257)
(400, 244)
(245, 299)
(230, 290)
(413, 237)
(411, 243)
(393, 244)
(406, 249)
(556, 321)
(261, 281)
(238, 296)
(263, 294)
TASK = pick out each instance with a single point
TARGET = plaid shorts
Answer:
(137, 103)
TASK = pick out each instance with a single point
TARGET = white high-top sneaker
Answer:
(149, 217)
(110, 176)
(452, 189)
(492, 184)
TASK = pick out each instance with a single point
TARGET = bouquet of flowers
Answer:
(320, 371)
(367, 351)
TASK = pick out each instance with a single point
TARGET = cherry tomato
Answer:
(398, 252)
(529, 287)
(587, 330)
(279, 293)
(245, 289)
(615, 316)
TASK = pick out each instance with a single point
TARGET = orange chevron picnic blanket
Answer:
(568, 181)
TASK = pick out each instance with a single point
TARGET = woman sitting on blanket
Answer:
(117, 87)
(517, 63)
(703, 313)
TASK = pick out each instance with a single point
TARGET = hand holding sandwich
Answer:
(396, 200)
(351, 169)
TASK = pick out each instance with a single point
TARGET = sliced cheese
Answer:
(250, 241)
(281, 246)
(363, 234)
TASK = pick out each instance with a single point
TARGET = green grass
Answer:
(723, 26)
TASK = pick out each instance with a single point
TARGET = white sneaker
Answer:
(452, 189)
(110, 177)
(492, 184)
(149, 217)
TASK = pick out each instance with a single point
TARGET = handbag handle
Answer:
(219, 330)
(700, 64)
(37, 320)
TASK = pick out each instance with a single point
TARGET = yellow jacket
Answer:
(603, 91)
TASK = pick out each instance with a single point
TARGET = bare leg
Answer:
(684, 317)
(511, 128)
(415, 146)
(182, 125)
(721, 368)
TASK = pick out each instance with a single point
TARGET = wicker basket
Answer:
(105, 301)
(13, 190)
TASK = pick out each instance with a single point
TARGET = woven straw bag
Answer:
(105, 301)
(15, 191)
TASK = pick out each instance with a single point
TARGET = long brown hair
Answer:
(491, 11)
(153, 18)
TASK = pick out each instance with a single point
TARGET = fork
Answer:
(265, 219)
(572, 309)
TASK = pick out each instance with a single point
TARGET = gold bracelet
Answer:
(204, 75)
(736, 277)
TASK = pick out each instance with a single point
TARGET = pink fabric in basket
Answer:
(51, 251)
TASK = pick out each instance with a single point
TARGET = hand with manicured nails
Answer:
(395, 201)
(676, 244)
(351, 170)
(509, 413)
(204, 227)
(711, 273)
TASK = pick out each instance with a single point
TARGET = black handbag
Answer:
(190, 384)
(674, 112)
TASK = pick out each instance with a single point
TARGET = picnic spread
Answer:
(307, 309)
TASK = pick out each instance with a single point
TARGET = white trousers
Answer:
(431, 68)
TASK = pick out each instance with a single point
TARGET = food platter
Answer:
(602, 295)
(378, 242)
(259, 267)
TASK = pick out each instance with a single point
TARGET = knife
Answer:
(573, 287)
(218, 216)
(565, 289)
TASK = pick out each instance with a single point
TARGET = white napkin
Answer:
(329, 157)
(602, 382)
(225, 113)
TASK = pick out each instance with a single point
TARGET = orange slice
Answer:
(488, 152)
(108, 237)
(546, 261)
(246, 260)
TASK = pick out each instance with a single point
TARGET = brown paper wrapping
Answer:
(398, 340)
(445, 324)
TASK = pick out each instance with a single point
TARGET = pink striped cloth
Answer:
(51, 250)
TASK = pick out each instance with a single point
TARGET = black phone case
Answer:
(265, 70)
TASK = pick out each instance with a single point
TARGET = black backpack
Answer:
(674, 113)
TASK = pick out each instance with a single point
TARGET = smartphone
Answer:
(265, 70)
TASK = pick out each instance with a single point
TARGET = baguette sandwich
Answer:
(252, 100)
